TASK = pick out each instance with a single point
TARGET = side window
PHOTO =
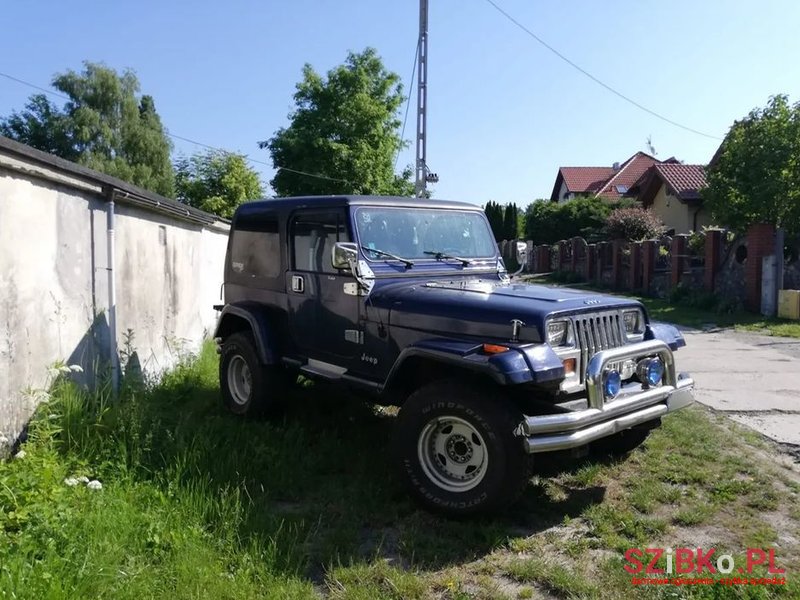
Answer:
(313, 237)
(256, 246)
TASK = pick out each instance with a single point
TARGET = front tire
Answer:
(248, 387)
(457, 451)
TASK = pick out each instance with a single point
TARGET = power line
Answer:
(36, 87)
(254, 160)
(408, 103)
(189, 140)
(595, 79)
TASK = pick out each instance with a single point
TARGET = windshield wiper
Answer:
(405, 261)
(443, 256)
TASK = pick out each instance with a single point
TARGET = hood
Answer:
(483, 308)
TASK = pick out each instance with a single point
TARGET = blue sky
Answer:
(504, 113)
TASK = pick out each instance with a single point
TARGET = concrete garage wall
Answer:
(54, 285)
(168, 278)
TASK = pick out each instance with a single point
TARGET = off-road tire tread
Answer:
(495, 415)
(268, 387)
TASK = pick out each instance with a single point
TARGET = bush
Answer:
(633, 224)
(549, 222)
(697, 242)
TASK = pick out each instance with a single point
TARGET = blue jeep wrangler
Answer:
(408, 302)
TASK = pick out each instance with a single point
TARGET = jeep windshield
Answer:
(424, 234)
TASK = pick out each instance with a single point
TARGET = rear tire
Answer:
(248, 387)
(457, 451)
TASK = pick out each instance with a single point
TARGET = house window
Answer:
(622, 189)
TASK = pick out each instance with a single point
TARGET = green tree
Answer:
(548, 222)
(216, 182)
(344, 127)
(510, 222)
(105, 125)
(494, 214)
(41, 125)
(756, 178)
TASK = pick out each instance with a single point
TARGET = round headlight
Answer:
(558, 333)
(634, 322)
(612, 384)
(654, 372)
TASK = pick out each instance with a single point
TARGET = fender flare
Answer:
(529, 363)
(669, 334)
(229, 322)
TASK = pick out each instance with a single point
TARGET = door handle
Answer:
(298, 284)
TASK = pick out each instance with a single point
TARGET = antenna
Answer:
(650, 146)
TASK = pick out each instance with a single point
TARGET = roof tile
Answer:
(628, 174)
(581, 180)
(685, 180)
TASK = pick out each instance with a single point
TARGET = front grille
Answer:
(595, 332)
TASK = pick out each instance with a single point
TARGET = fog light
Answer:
(612, 383)
(650, 371)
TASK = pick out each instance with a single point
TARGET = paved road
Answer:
(755, 379)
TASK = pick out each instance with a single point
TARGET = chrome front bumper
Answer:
(633, 406)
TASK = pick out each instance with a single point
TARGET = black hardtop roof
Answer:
(286, 204)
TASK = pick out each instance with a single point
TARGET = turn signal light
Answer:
(570, 365)
(494, 348)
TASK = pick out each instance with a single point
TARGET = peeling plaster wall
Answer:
(54, 285)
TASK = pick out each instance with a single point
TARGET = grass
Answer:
(662, 310)
(696, 311)
(198, 503)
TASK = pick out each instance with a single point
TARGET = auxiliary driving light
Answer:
(612, 383)
(650, 371)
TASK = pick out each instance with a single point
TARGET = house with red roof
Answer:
(669, 188)
(672, 191)
(612, 182)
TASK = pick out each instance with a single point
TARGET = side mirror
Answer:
(344, 255)
(522, 252)
(522, 257)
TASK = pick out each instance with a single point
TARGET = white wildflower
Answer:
(94, 485)
(64, 369)
(76, 368)
(71, 481)
(83, 479)
(21, 454)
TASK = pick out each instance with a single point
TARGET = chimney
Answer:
(615, 166)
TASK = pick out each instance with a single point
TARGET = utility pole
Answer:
(423, 175)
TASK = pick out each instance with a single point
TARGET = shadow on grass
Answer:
(316, 486)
